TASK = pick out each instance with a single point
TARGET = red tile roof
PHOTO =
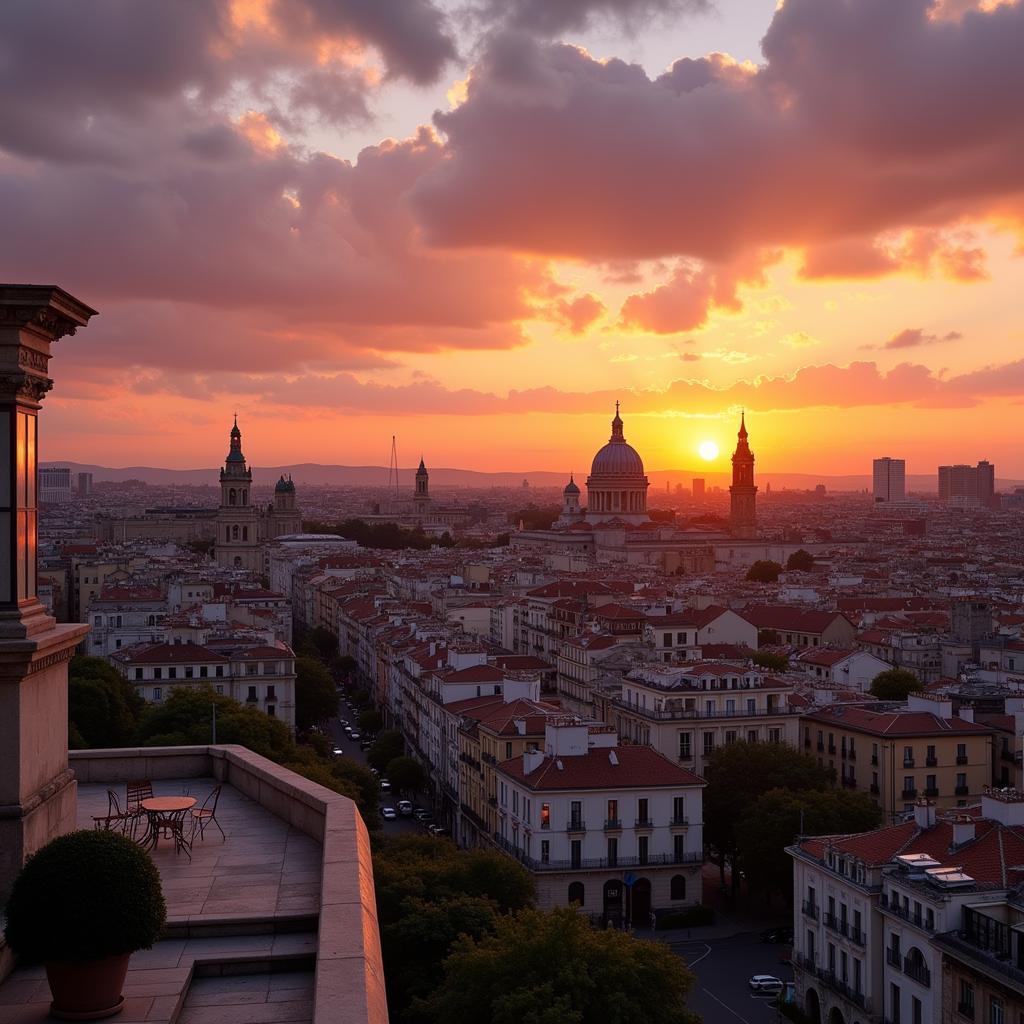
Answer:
(894, 723)
(637, 767)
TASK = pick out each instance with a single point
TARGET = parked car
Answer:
(784, 933)
(405, 808)
(348, 729)
(337, 751)
(388, 813)
(437, 830)
(765, 983)
(385, 786)
(422, 814)
(353, 735)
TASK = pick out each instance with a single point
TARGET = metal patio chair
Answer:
(202, 816)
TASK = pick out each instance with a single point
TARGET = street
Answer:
(723, 967)
(336, 733)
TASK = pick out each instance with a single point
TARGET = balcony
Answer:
(852, 754)
(842, 987)
(821, 746)
(595, 864)
(809, 909)
(687, 756)
(488, 759)
(931, 762)
(893, 958)
(613, 825)
(908, 762)
(689, 714)
(576, 825)
(961, 759)
(676, 821)
(965, 1010)
(856, 935)
(931, 791)
(962, 790)
(909, 794)
(644, 823)
(918, 972)
(806, 962)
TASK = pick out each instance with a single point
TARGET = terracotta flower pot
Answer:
(89, 990)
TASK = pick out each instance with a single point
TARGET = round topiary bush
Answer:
(85, 896)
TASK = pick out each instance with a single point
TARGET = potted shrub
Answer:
(82, 905)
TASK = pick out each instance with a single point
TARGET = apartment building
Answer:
(257, 675)
(616, 830)
(900, 754)
(802, 627)
(687, 711)
(680, 635)
(918, 923)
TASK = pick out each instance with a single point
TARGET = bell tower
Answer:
(421, 496)
(743, 493)
(237, 545)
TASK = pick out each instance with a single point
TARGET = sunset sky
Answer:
(475, 224)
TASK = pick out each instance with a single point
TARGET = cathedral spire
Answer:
(617, 434)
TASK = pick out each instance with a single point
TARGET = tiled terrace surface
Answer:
(252, 1000)
(263, 867)
(275, 923)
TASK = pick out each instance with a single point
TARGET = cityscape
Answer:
(512, 512)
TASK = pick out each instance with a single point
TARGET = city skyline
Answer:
(480, 228)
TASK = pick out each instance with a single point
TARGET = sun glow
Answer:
(708, 450)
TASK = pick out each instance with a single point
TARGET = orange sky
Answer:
(823, 227)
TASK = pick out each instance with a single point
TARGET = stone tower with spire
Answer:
(743, 493)
(238, 519)
(421, 496)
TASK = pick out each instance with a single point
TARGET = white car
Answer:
(388, 813)
(765, 983)
(405, 808)
(337, 751)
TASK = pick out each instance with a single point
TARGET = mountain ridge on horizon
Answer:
(318, 475)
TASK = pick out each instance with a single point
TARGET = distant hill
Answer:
(376, 476)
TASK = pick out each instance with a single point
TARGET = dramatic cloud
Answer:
(867, 117)
(550, 17)
(913, 337)
(687, 299)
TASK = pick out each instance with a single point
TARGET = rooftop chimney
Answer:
(532, 760)
(924, 813)
(963, 830)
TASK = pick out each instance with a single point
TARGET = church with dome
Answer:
(243, 527)
(615, 526)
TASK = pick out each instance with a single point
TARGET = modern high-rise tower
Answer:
(889, 480)
(743, 493)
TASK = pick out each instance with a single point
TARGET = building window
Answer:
(641, 849)
(709, 744)
(679, 848)
(996, 1011)
(545, 851)
(202, 671)
(158, 693)
(218, 671)
(575, 854)
(641, 809)
(894, 1004)
(220, 688)
(138, 673)
(158, 673)
(774, 735)
(685, 750)
(677, 888)
(252, 693)
(679, 810)
(613, 851)
(965, 1000)
(272, 710)
(545, 815)
(666, 640)
(271, 693)
(576, 893)
(508, 751)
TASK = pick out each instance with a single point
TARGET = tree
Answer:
(343, 776)
(370, 720)
(895, 684)
(768, 660)
(384, 749)
(764, 571)
(775, 819)
(316, 699)
(554, 968)
(343, 665)
(428, 893)
(737, 774)
(406, 775)
(186, 717)
(103, 707)
(800, 561)
(325, 642)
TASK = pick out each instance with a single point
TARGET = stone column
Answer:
(37, 788)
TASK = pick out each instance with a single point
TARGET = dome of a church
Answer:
(617, 458)
(570, 487)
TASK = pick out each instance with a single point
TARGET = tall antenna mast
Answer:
(393, 467)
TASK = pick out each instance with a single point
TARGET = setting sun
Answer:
(708, 450)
